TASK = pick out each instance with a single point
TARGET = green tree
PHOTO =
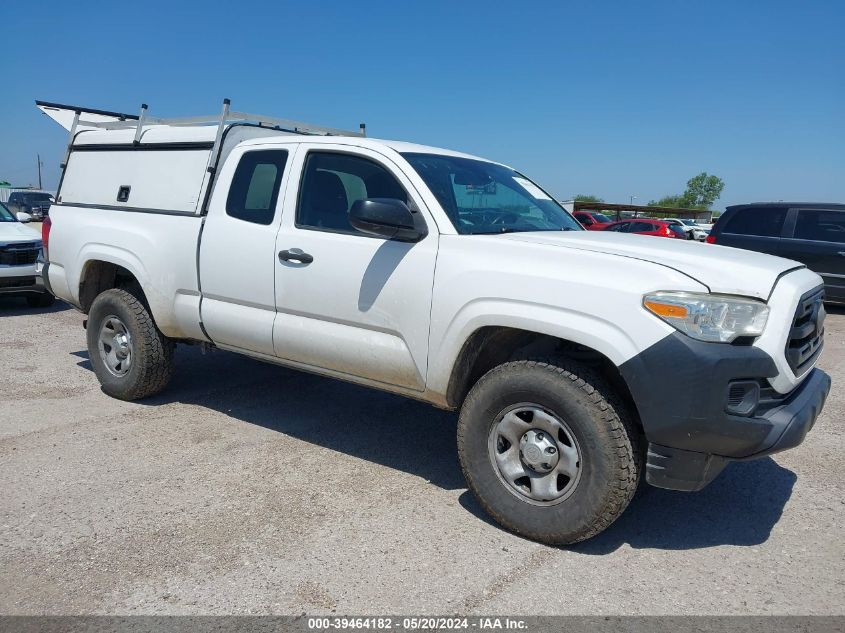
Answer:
(585, 198)
(668, 201)
(703, 190)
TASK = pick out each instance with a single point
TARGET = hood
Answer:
(17, 232)
(722, 269)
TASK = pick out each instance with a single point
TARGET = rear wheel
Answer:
(131, 357)
(545, 451)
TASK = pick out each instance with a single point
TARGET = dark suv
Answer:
(35, 203)
(811, 233)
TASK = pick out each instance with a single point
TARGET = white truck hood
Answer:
(722, 269)
(17, 232)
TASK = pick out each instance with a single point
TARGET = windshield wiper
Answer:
(504, 229)
(510, 229)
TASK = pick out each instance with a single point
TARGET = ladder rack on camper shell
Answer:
(105, 120)
(77, 119)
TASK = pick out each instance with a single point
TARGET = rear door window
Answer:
(820, 225)
(758, 221)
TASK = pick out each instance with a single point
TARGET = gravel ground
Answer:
(248, 488)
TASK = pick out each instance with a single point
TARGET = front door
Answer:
(346, 301)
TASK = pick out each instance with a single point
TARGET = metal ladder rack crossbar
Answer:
(227, 117)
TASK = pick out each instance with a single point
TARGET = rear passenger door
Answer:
(237, 258)
(816, 237)
(348, 302)
(755, 228)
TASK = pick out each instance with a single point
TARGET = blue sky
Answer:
(608, 98)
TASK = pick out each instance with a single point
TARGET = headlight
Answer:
(705, 317)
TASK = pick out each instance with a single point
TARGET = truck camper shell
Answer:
(130, 162)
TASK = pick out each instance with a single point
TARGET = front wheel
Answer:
(545, 452)
(131, 357)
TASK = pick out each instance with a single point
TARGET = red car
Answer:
(646, 226)
(592, 221)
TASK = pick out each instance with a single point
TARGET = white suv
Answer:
(20, 270)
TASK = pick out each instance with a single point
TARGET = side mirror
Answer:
(23, 217)
(389, 218)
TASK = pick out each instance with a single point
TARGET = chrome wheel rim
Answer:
(535, 454)
(115, 345)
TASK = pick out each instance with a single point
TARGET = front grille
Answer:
(806, 338)
(19, 254)
(16, 282)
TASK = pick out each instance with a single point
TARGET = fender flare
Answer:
(94, 252)
(608, 338)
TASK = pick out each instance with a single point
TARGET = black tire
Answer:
(41, 300)
(610, 459)
(152, 352)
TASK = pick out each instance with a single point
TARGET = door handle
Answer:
(295, 255)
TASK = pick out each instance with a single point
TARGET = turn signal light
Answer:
(667, 309)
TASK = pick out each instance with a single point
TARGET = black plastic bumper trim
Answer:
(679, 469)
(676, 469)
(680, 388)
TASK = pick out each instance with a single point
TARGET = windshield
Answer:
(6, 215)
(37, 197)
(601, 217)
(485, 198)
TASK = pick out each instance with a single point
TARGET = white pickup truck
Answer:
(578, 360)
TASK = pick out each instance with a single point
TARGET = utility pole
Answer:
(39, 170)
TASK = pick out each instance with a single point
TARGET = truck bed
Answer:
(136, 241)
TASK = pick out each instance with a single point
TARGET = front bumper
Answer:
(679, 469)
(21, 280)
(681, 386)
(22, 285)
